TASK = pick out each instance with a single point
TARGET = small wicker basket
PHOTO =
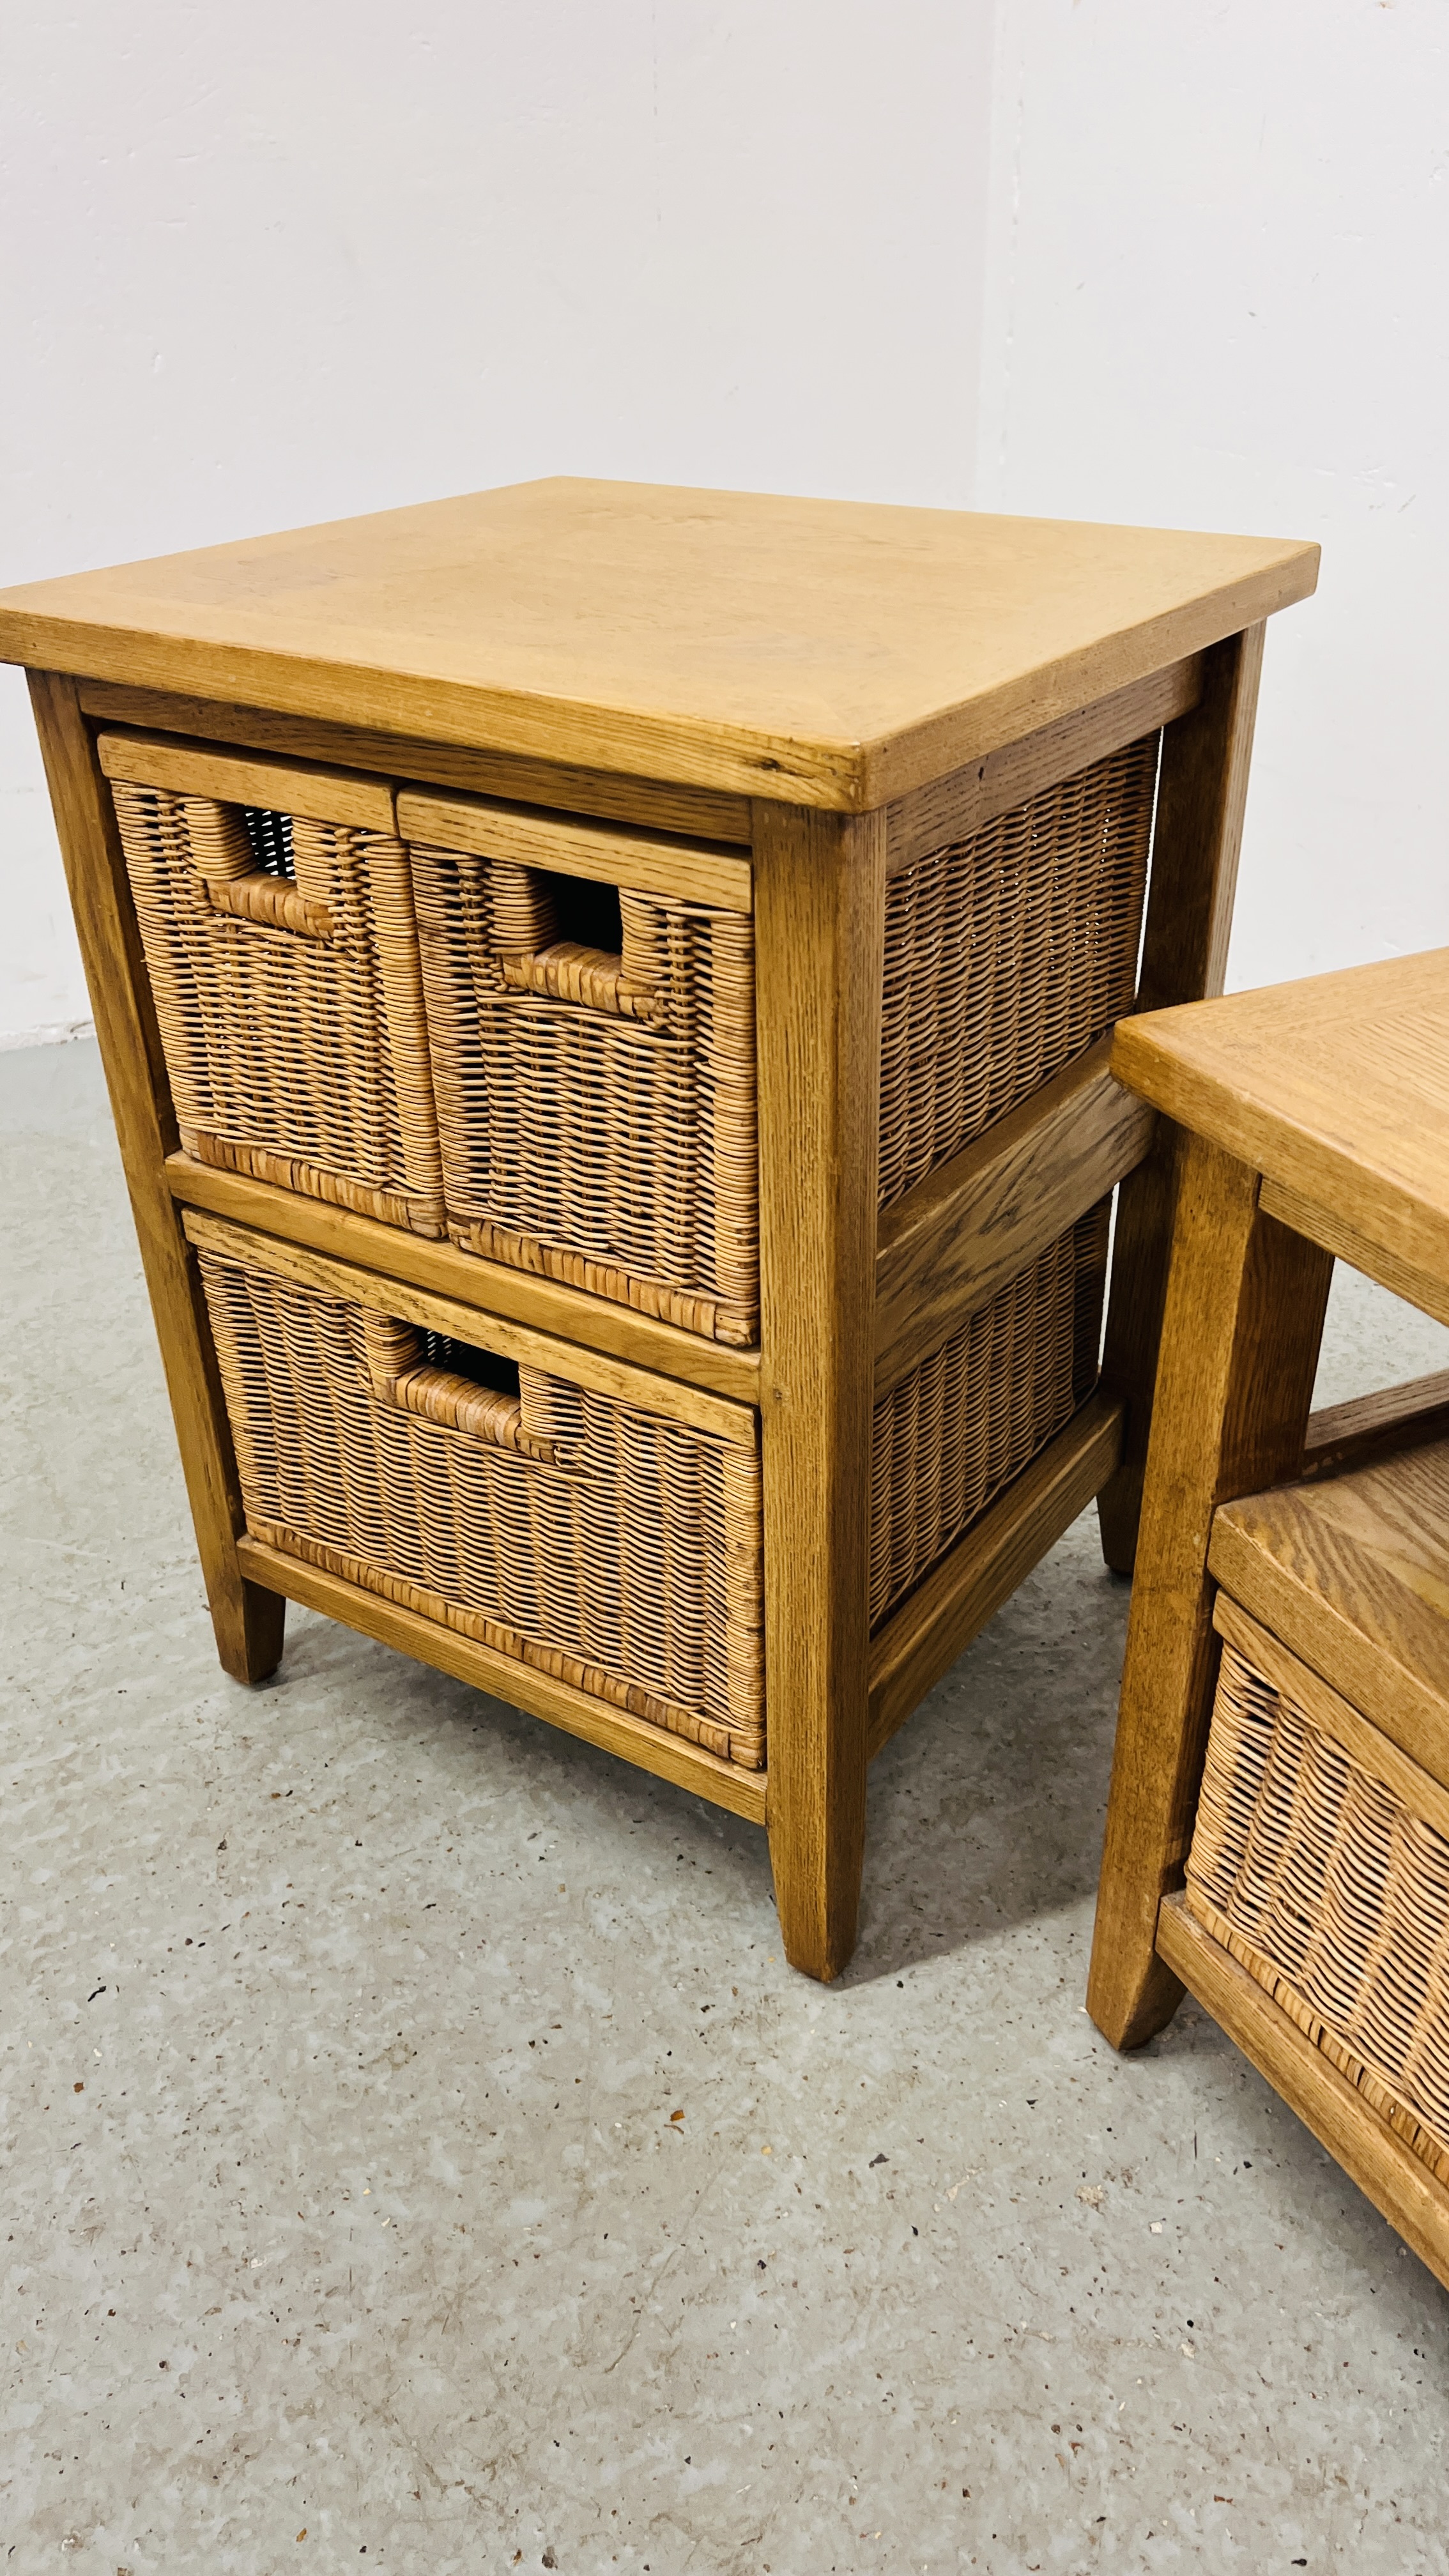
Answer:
(1008, 954)
(594, 1049)
(283, 959)
(596, 1092)
(1332, 1890)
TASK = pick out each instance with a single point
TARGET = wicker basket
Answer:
(610, 1547)
(1332, 1892)
(283, 959)
(593, 1046)
(1007, 955)
(594, 1064)
(976, 1411)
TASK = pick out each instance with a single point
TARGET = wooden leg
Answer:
(820, 931)
(247, 1619)
(1200, 801)
(1240, 1336)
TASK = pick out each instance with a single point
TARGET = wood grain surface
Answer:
(1197, 839)
(1367, 1427)
(287, 786)
(816, 652)
(1353, 1575)
(1335, 1088)
(966, 800)
(494, 1287)
(820, 922)
(656, 804)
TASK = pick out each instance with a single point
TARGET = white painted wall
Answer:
(1218, 297)
(283, 263)
(280, 264)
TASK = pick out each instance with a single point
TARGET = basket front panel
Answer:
(1331, 1892)
(1006, 956)
(621, 1557)
(976, 1411)
(631, 1145)
(309, 1049)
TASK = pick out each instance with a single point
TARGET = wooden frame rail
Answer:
(519, 1296)
(1369, 1253)
(944, 1249)
(707, 814)
(965, 801)
(1381, 1425)
(652, 1748)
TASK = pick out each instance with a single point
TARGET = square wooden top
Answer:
(821, 652)
(1336, 1088)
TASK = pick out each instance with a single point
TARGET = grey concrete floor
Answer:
(368, 2235)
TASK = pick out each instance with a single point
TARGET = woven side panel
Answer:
(615, 1149)
(1006, 955)
(301, 1059)
(1333, 1895)
(627, 1564)
(973, 1414)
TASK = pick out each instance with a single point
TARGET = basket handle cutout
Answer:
(485, 1405)
(226, 842)
(565, 938)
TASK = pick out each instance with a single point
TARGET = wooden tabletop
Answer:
(1337, 1088)
(823, 652)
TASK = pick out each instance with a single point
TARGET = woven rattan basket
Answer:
(1008, 954)
(283, 960)
(608, 1546)
(596, 1092)
(614, 1548)
(593, 1049)
(976, 1411)
(1332, 1892)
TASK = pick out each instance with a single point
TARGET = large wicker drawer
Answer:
(275, 908)
(590, 999)
(597, 1539)
(1320, 1861)
(610, 1542)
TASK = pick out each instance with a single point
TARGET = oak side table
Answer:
(1290, 1611)
(605, 993)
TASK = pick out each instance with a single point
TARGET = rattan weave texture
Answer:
(290, 1005)
(1333, 1895)
(605, 1545)
(597, 1113)
(978, 1409)
(1007, 955)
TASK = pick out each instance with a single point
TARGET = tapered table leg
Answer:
(1240, 1338)
(247, 1619)
(820, 924)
